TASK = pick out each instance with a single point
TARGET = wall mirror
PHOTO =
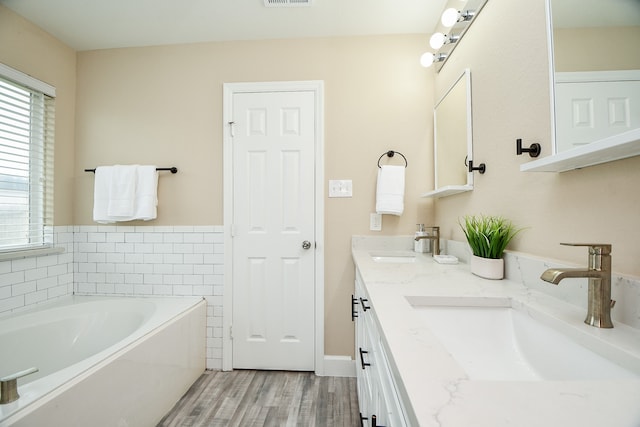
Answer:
(595, 83)
(452, 124)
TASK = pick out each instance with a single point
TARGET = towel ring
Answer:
(391, 153)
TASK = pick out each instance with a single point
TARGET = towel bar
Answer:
(391, 153)
(172, 169)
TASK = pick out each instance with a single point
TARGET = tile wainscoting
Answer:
(32, 280)
(125, 260)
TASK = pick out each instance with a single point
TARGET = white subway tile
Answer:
(115, 237)
(173, 258)
(106, 247)
(105, 288)
(98, 257)
(193, 259)
(173, 238)
(133, 237)
(163, 268)
(96, 237)
(35, 274)
(183, 248)
(124, 247)
(46, 283)
(18, 289)
(87, 267)
(172, 279)
(152, 279)
(87, 247)
(192, 279)
(153, 258)
(125, 268)
(163, 248)
(153, 237)
(56, 291)
(115, 278)
(132, 258)
(139, 289)
(183, 269)
(96, 277)
(124, 288)
(193, 238)
(23, 264)
(35, 297)
(133, 278)
(162, 290)
(115, 257)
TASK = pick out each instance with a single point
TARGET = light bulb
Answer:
(427, 59)
(449, 17)
(437, 40)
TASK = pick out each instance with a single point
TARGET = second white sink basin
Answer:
(393, 257)
(494, 339)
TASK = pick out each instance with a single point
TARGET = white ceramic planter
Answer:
(487, 267)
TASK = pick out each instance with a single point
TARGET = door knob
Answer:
(306, 244)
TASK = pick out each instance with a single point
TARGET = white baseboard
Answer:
(339, 366)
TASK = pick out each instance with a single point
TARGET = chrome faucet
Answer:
(599, 274)
(435, 237)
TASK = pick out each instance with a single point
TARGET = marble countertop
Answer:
(436, 387)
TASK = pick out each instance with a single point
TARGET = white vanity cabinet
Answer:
(377, 396)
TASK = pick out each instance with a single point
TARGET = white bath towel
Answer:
(101, 187)
(125, 193)
(122, 191)
(390, 190)
(146, 202)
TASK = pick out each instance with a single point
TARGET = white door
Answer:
(273, 230)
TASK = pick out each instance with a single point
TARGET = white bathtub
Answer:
(103, 361)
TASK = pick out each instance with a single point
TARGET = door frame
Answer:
(230, 89)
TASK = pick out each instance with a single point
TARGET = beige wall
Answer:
(510, 101)
(27, 48)
(163, 105)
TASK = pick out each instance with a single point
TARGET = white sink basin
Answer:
(393, 257)
(497, 340)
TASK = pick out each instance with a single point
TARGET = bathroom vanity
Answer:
(438, 346)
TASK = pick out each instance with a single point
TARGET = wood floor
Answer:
(266, 398)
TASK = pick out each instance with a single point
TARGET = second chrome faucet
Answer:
(435, 238)
(598, 272)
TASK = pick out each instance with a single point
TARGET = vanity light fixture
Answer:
(456, 18)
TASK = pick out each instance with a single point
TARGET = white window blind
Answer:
(27, 118)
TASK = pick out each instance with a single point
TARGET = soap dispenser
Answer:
(421, 245)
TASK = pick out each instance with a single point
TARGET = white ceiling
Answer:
(101, 24)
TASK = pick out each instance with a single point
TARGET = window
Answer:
(26, 161)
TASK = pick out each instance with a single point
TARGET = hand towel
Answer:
(101, 187)
(146, 200)
(122, 191)
(390, 190)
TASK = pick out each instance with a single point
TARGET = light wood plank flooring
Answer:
(266, 398)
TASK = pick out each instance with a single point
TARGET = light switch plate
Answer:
(340, 188)
(375, 222)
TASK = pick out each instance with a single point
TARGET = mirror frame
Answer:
(448, 190)
(617, 147)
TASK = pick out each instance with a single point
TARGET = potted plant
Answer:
(488, 236)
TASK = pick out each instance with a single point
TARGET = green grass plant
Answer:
(488, 236)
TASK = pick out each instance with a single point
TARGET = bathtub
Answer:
(103, 361)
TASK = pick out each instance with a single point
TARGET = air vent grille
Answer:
(287, 3)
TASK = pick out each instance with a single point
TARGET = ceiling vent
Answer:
(287, 3)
